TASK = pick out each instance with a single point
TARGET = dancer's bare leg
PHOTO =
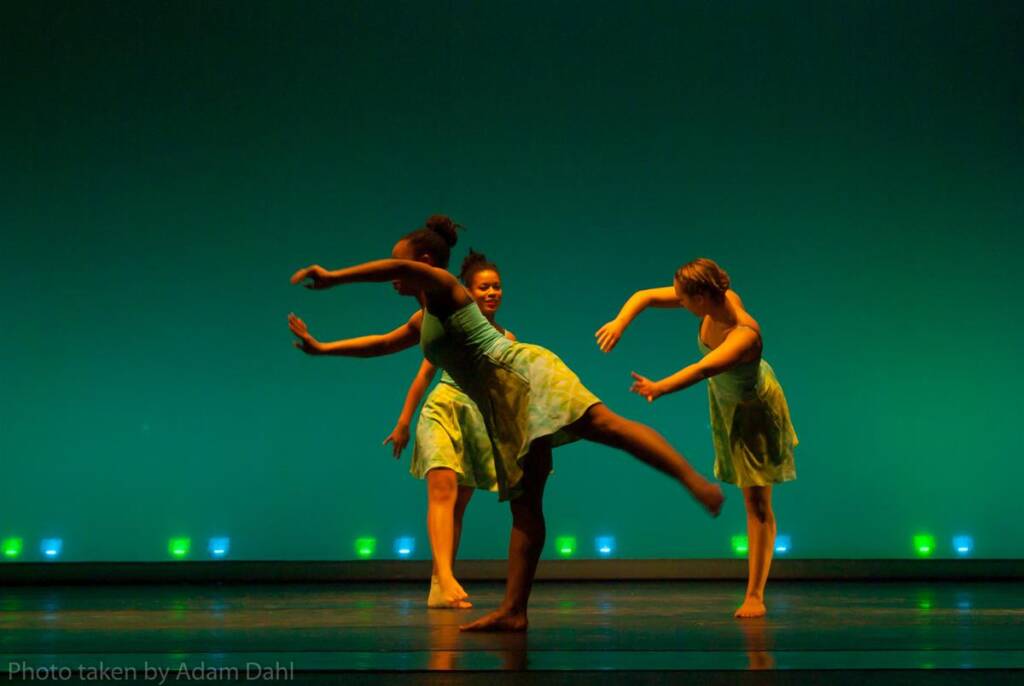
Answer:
(761, 546)
(601, 425)
(525, 544)
(461, 503)
(442, 496)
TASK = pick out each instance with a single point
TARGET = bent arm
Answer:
(651, 297)
(608, 335)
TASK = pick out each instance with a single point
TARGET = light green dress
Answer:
(750, 425)
(523, 391)
(451, 433)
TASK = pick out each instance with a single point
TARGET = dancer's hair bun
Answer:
(444, 226)
(705, 277)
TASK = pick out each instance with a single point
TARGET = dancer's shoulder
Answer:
(416, 320)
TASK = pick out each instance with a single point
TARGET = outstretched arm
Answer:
(417, 274)
(399, 436)
(609, 334)
(405, 336)
(726, 356)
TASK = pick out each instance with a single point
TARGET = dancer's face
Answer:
(486, 290)
(403, 250)
(696, 304)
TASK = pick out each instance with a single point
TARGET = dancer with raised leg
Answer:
(525, 393)
(452, 450)
(751, 429)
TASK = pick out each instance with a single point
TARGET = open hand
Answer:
(316, 274)
(306, 343)
(609, 334)
(398, 438)
(645, 387)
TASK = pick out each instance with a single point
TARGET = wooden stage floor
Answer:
(640, 632)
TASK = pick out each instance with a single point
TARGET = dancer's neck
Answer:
(724, 314)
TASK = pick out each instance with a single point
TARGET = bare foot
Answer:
(499, 620)
(712, 499)
(751, 607)
(447, 596)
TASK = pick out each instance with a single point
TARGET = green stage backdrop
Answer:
(856, 166)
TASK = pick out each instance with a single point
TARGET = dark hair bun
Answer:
(473, 259)
(443, 225)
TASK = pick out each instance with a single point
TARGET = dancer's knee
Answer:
(528, 513)
(601, 424)
(442, 486)
(757, 502)
(463, 496)
(537, 464)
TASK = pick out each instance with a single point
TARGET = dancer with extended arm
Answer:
(751, 429)
(525, 393)
(452, 449)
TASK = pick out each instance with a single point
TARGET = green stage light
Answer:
(565, 545)
(12, 548)
(179, 547)
(365, 546)
(740, 546)
(924, 545)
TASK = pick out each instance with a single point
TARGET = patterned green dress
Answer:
(451, 433)
(750, 425)
(523, 391)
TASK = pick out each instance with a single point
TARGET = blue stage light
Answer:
(605, 545)
(963, 545)
(405, 546)
(51, 547)
(219, 547)
(783, 544)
